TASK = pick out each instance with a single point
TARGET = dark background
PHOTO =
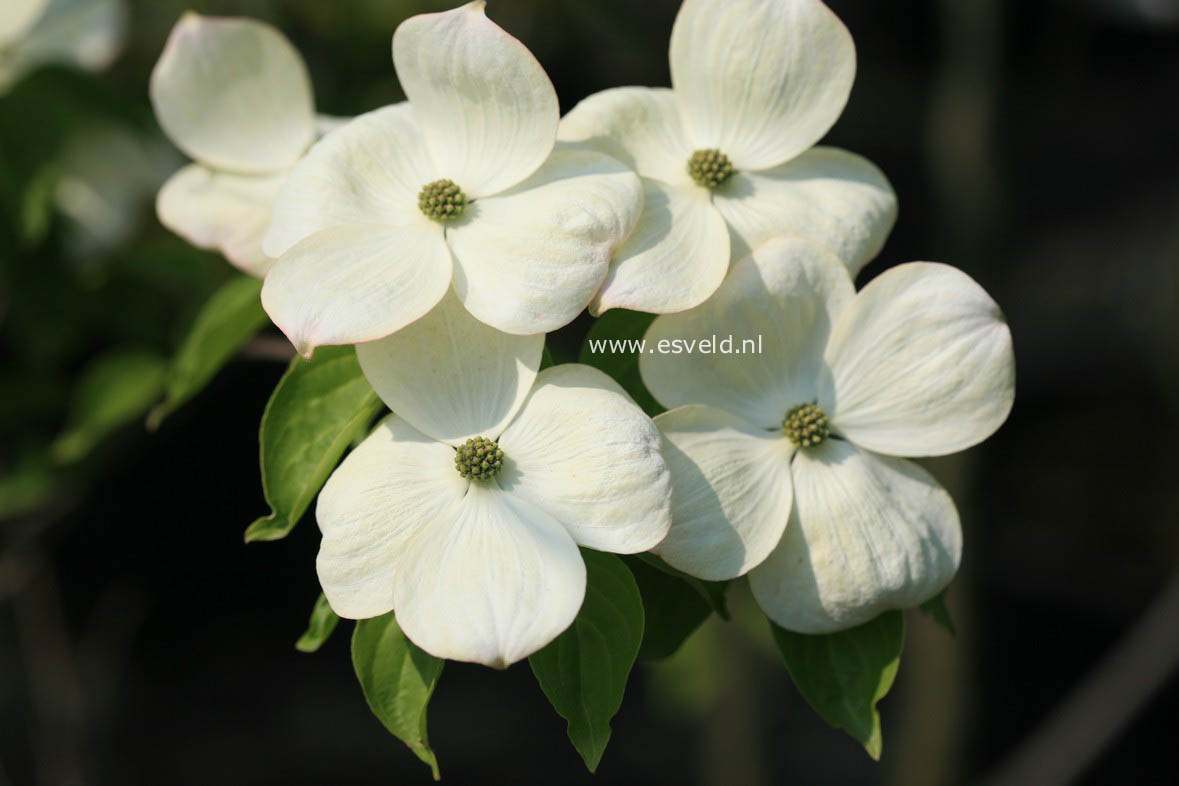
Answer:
(1031, 143)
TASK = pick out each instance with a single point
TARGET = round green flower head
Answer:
(442, 200)
(478, 459)
(710, 168)
(806, 425)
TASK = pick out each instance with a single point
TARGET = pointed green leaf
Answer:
(935, 608)
(712, 592)
(398, 679)
(319, 628)
(229, 318)
(597, 351)
(672, 608)
(114, 390)
(315, 412)
(843, 675)
(583, 672)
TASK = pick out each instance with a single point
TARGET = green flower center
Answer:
(442, 200)
(710, 168)
(478, 459)
(806, 425)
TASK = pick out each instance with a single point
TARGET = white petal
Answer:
(868, 533)
(530, 259)
(367, 171)
(674, 259)
(487, 109)
(356, 283)
(583, 452)
(783, 299)
(921, 364)
(640, 126)
(760, 80)
(833, 197)
(325, 124)
(234, 94)
(17, 19)
(86, 34)
(222, 212)
(491, 580)
(390, 487)
(452, 376)
(730, 491)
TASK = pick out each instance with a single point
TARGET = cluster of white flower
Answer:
(445, 235)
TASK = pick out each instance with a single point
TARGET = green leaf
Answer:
(620, 325)
(935, 608)
(672, 608)
(319, 628)
(843, 675)
(114, 390)
(583, 672)
(397, 679)
(712, 592)
(229, 318)
(314, 413)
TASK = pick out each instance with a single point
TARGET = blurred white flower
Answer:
(460, 184)
(725, 155)
(87, 34)
(235, 96)
(783, 463)
(464, 511)
(104, 177)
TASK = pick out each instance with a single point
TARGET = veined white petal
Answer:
(325, 124)
(491, 580)
(868, 533)
(529, 260)
(730, 491)
(368, 171)
(233, 94)
(357, 282)
(782, 299)
(921, 364)
(488, 110)
(390, 487)
(675, 258)
(18, 18)
(760, 80)
(452, 376)
(584, 453)
(640, 126)
(86, 34)
(220, 211)
(833, 197)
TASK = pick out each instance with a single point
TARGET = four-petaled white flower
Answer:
(86, 34)
(783, 463)
(725, 155)
(460, 184)
(235, 96)
(463, 512)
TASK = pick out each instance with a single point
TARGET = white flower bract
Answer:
(86, 34)
(359, 259)
(234, 95)
(918, 363)
(485, 570)
(759, 81)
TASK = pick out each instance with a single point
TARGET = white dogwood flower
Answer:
(726, 155)
(459, 185)
(86, 34)
(783, 463)
(235, 96)
(464, 511)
